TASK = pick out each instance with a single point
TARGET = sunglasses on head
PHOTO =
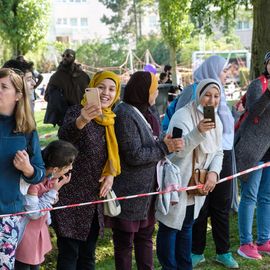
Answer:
(68, 55)
(17, 71)
(14, 70)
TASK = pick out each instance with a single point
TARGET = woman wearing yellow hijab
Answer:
(137, 129)
(91, 130)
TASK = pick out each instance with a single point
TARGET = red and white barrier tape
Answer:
(172, 94)
(48, 135)
(167, 190)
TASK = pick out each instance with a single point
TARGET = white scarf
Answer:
(213, 137)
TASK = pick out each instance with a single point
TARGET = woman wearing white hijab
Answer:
(174, 237)
(218, 203)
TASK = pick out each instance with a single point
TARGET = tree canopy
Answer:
(126, 17)
(206, 12)
(23, 23)
(175, 26)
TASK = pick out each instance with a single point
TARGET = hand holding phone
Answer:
(209, 113)
(92, 97)
(177, 132)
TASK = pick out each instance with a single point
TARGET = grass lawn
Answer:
(104, 252)
(45, 129)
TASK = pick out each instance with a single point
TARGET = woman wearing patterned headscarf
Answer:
(137, 130)
(91, 130)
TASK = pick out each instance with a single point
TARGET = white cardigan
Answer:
(213, 162)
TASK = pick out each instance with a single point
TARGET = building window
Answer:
(59, 21)
(73, 21)
(65, 21)
(246, 25)
(243, 25)
(84, 22)
(152, 21)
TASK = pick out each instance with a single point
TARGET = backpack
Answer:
(243, 101)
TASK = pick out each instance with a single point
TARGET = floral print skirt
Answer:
(8, 241)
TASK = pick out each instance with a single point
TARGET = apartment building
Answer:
(76, 21)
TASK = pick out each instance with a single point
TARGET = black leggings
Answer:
(217, 205)
(23, 266)
(78, 255)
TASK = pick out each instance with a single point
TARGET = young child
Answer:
(58, 157)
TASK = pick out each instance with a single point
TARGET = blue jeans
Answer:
(255, 192)
(174, 246)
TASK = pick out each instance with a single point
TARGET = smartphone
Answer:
(92, 96)
(209, 112)
(177, 132)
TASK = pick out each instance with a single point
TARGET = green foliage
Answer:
(157, 47)
(5, 51)
(45, 129)
(160, 51)
(174, 20)
(60, 46)
(118, 8)
(121, 24)
(212, 43)
(244, 77)
(98, 54)
(23, 23)
(207, 13)
(175, 27)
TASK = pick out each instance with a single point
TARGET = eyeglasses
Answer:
(68, 55)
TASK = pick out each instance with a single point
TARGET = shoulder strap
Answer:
(194, 86)
(143, 118)
(263, 82)
(193, 161)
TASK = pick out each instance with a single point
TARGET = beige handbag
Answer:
(198, 177)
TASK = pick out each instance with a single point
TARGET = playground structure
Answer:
(239, 61)
(133, 63)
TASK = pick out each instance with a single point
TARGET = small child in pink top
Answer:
(58, 157)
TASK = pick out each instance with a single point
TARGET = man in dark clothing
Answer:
(167, 70)
(65, 88)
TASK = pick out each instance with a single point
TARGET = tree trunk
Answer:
(261, 36)
(15, 50)
(136, 20)
(140, 22)
(173, 64)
